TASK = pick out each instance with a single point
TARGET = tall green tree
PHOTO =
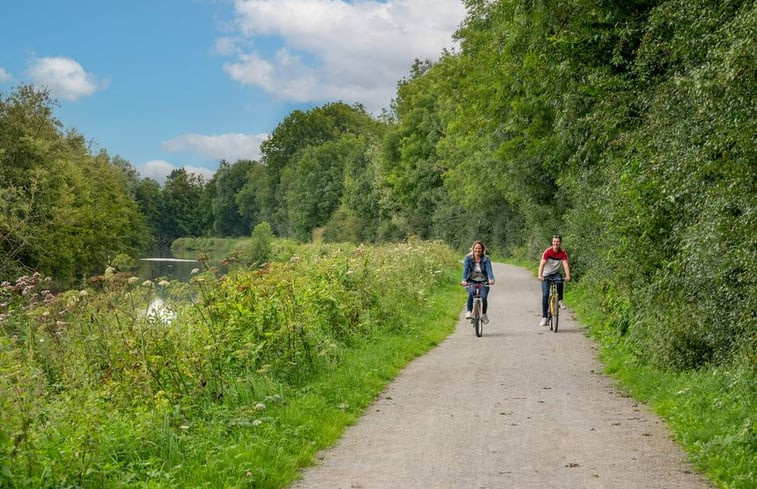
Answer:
(298, 131)
(249, 197)
(226, 184)
(180, 207)
(315, 183)
(147, 194)
(64, 211)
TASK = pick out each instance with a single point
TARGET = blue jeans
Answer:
(484, 293)
(556, 278)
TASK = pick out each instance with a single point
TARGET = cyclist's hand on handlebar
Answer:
(491, 282)
(541, 278)
(464, 283)
(567, 279)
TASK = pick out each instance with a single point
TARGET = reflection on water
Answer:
(163, 264)
(166, 268)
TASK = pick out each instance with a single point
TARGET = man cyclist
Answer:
(477, 269)
(549, 271)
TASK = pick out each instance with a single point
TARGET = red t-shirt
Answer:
(554, 258)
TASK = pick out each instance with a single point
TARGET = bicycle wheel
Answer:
(555, 310)
(478, 325)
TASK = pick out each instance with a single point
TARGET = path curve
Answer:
(521, 407)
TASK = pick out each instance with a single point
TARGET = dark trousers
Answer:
(556, 278)
(484, 293)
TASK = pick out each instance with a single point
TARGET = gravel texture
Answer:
(521, 407)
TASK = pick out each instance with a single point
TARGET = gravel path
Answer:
(521, 407)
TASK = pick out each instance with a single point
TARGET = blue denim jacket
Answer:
(469, 263)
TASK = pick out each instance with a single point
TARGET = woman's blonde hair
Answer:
(483, 246)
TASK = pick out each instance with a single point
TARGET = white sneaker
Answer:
(562, 304)
(485, 318)
(468, 315)
(543, 322)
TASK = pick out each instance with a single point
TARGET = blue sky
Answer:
(185, 83)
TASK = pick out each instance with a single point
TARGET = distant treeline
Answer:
(628, 127)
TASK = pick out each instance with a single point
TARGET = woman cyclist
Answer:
(477, 269)
(549, 271)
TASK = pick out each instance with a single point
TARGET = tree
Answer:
(180, 206)
(298, 131)
(65, 212)
(315, 183)
(227, 182)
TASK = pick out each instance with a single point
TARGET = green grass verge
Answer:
(712, 412)
(274, 439)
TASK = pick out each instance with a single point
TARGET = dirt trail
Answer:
(521, 407)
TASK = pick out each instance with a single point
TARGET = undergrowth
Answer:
(711, 410)
(232, 381)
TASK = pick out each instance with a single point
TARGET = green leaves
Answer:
(64, 211)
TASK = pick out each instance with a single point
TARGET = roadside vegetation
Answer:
(233, 383)
(711, 411)
(627, 127)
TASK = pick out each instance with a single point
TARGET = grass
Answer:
(712, 411)
(265, 447)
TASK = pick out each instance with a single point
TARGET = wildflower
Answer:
(257, 422)
(110, 271)
(194, 271)
(163, 283)
(147, 283)
(133, 280)
(83, 293)
(259, 406)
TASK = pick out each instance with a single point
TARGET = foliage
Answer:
(627, 127)
(301, 146)
(64, 212)
(125, 383)
(261, 243)
(224, 207)
(180, 206)
(711, 411)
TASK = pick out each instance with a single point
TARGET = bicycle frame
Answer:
(554, 308)
(478, 304)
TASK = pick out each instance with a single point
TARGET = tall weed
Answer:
(128, 384)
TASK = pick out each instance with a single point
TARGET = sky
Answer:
(167, 84)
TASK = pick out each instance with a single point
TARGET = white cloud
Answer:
(338, 50)
(64, 77)
(206, 173)
(4, 76)
(229, 147)
(158, 170)
(225, 46)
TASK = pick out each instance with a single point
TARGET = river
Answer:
(161, 263)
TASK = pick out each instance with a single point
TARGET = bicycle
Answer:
(553, 311)
(478, 304)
